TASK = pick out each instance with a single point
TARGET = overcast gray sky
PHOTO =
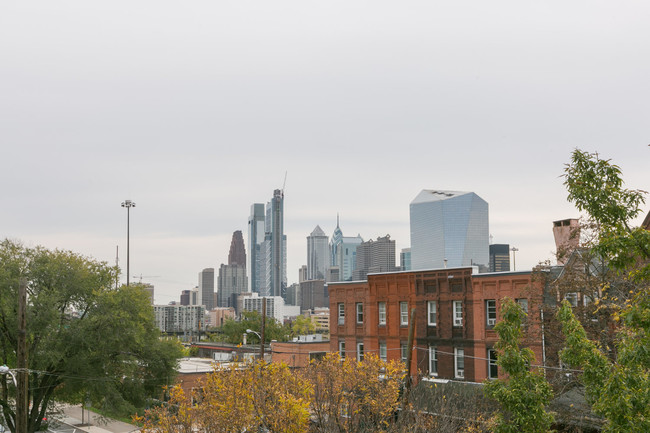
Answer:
(195, 110)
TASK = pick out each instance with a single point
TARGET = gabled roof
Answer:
(318, 232)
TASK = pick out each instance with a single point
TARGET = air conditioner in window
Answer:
(460, 374)
(491, 322)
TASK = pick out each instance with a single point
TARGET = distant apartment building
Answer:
(206, 288)
(275, 306)
(374, 256)
(149, 289)
(499, 258)
(179, 318)
(567, 238)
(455, 314)
(302, 274)
(320, 317)
(343, 253)
(217, 317)
(318, 254)
(232, 277)
(292, 296)
(449, 228)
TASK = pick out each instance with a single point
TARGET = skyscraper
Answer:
(206, 288)
(255, 240)
(499, 258)
(375, 256)
(449, 228)
(343, 252)
(317, 254)
(232, 277)
(268, 247)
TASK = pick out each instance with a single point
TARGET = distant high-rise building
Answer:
(179, 318)
(237, 254)
(449, 228)
(273, 250)
(232, 277)
(255, 240)
(302, 274)
(499, 258)
(149, 289)
(375, 256)
(405, 259)
(343, 253)
(185, 297)
(317, 254)
(206, 288)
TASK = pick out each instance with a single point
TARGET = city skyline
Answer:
(196, 111)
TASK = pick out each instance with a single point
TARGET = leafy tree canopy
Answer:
(86, 339)
(523, 394)
(618, 389)
(234, 330)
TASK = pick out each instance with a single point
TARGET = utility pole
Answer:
(22, 402)
(128, 204)
(263, 326)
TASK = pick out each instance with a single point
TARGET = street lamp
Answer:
(514, 258)
(128, 204)
(5, 370)
(250, 331)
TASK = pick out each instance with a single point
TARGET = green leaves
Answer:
(85, 338)
(523, 394)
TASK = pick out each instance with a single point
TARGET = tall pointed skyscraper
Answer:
(232, 277)
(343, 252)
(317, 254)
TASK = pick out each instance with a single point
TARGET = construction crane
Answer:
(146, 276)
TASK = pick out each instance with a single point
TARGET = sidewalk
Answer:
(72, 415)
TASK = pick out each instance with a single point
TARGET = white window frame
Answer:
(458, 313)
(359, 309)
(403, 313)
(433, 361)
(403, 351)
(383, 351)
(492, 362)
(459, 363)
(341, 313)
(490, 312)
(432, 313)
(360, 351)
(381, 308)
(342, 349)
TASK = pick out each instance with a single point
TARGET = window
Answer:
(433, 361)
(493, 369)
(523, 303)
(432, 315)
(458, 313)
(342, 349)
(382, 313)
(360, 351)
(404, 313)
(459, 363)
(572, 298)
(491, 312)
(341, 313)
(403, 351)
(383, 352)
(359, 312)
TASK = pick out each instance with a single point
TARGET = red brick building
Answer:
(455, 315)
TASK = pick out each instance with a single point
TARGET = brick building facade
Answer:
(455, 315)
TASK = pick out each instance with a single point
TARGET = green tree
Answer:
(86, 340)
(234, 330)
(302, 325)
(618, 389)
(523, 394)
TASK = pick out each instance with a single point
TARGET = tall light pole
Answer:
(128, 204)
(514, 258)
